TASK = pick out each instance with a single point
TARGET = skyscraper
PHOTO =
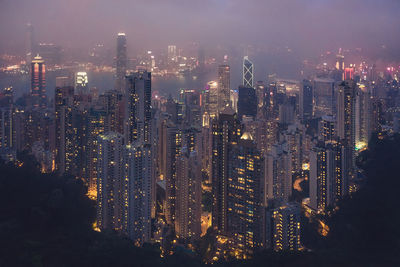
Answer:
(188, 195)
(38, 82)
(211, 101)
(363, 111)
(247, 102)
(138, 107)
(324, 101)
(81, 83)
(326, 175)
(110, 182)
(340, 61)
(327, 129)
(7, 127)
(172, 152)
(278, 174)
(286, 227)
(223, 87)
(96, 126)
(260, 92)
(172, 54)
(244, 203)
(121, 62)
(137, 192)
(346, 125)
(191, 109)
(248, 73)
(226, 130)
(306, 100)
(30, 44)
(63, 100)
(71, 121)
(113, 104)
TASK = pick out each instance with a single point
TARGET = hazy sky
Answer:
(301, 24)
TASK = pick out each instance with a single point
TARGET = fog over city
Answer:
(197, 132)
(306, 26)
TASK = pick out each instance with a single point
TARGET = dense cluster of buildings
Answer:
(148, 160)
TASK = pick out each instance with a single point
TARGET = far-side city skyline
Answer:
(199, 132)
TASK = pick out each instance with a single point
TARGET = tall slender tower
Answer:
(340, 60)
(30, 43)
(326, 175)
(224, 76)
(121, 62)
(306, 100)
(138, 107)
(226, 131)
(245, 186)
(38, 82)
(248, 73)
(173, 141)
(188, 196)
(137, 193)
(363, 112)
(110, 182)
(346, 125)
(278, 175)
(260, 92)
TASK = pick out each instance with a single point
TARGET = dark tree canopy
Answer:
(46, 220)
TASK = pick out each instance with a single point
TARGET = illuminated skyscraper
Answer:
(63, 101)
(211, 100)
(278, 174)
(306, 100)
(348, 73)
(7, 127)
(324, 101)
(260, 92)
(286, 227)
(327, 129)
(71, 122)
(114, 106)
(121, 62)
(244, 203)
(226, 130)
(363, 115)
(346, 125)
(248, 73)
(96, 126)
(137, 193)
(81, 83)
(295, 137)
(172, 152)
(326, 175)
(188, 195)
(138, 107)
(7, 134)
(38, 82)
(223, 87)
(190, 107)
(110, 182)
(172, 53)
(234, 99)
(340, 61)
